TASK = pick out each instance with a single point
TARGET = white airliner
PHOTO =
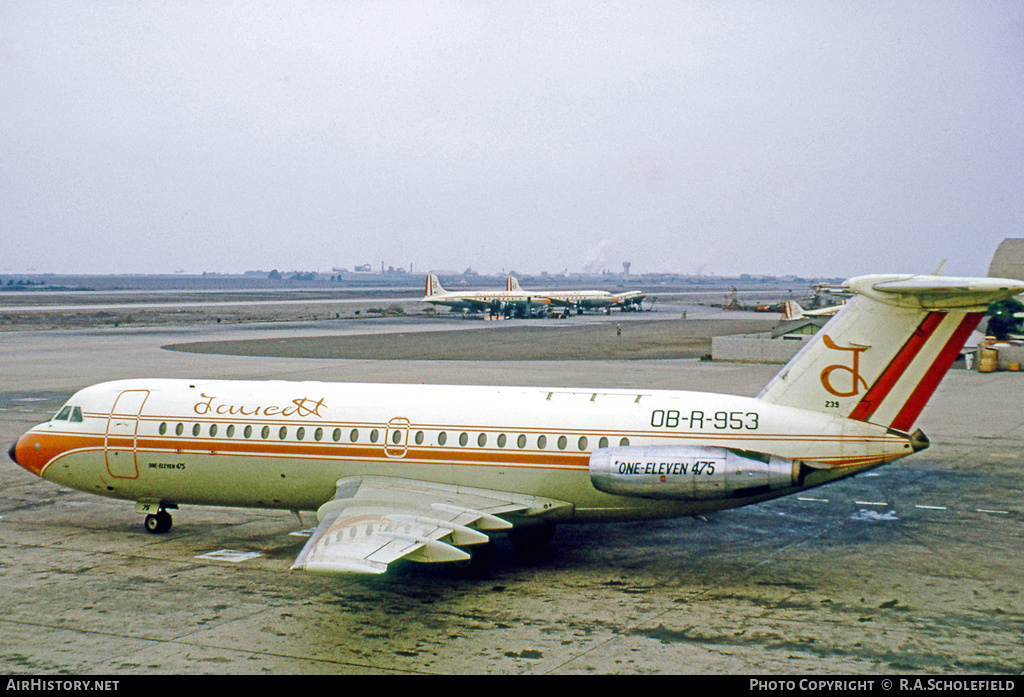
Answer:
(581, 300)
(427, 472)
(791, 309)
(508, 302)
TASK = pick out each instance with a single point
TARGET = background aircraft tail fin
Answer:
(512, 284)
(883, 355)
(433, 286)
(792, 310)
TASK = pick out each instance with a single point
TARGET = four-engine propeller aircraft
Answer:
(580, 300)
(506, 302)
(427, 472)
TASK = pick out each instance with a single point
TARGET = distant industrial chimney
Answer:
(625, 268)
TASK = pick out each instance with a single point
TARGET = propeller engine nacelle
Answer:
(689, 472)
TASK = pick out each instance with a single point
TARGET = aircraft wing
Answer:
(632, 296)
(475, 303)
(373, 521)
(561, 302)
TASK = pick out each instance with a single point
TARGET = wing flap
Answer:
(373, 521)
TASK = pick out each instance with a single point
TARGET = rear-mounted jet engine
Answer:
(689, 472)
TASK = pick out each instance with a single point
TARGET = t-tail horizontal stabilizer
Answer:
(883, 355)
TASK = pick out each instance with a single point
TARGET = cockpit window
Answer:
(71, 414)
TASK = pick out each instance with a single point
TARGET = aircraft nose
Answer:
(28, 452)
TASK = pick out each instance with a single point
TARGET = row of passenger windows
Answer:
(397, 436)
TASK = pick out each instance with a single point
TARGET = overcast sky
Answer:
(816, 138)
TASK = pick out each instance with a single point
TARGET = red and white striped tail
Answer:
(884, 354)
(433, 287)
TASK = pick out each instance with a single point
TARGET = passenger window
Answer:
(442, 438)
(318, 434)
(336, 435)
(542, 442)
(373, 435)
(582, 443)
(481, 440)
(562, 442)
(247, 432)
(501, 440)
(396, 437)
(283, 433)
(419, 437)
(353, 435)
(521, 441)
(603, 443)
(301, 433)
(213, 430)
(163, 428)
(195, 429)
(179, 429)
(624, 442)
(231, 431)
(463, 438)
(265, 432)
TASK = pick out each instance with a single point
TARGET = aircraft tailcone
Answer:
(919, 441)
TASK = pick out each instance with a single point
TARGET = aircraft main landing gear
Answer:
(533, 539)
(481, 559)
(158, 521)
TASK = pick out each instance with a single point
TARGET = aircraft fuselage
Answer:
(285, 444)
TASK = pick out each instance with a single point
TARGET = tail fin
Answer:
(512, 284)
(883, 355)
(433, 286)
(791, 310)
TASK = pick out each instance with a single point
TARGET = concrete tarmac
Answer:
(913, 568)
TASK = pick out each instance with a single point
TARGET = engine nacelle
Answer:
(689, 472)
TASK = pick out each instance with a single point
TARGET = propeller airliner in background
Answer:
(580, 300)
(508, 301)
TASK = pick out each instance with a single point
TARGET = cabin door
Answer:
(396, 438)
(121, 441)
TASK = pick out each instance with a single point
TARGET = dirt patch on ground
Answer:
(637, 340)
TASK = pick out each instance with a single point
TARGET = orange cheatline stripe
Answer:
(897, 366)
(56, 445)
(930, 382)
(853, 461)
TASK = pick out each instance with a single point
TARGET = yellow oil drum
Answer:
(988, 359)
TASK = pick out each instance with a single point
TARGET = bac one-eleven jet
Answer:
(428, 473)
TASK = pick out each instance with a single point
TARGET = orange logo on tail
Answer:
(855, 378)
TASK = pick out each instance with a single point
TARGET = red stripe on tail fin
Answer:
(897, 366)
(930, 382)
